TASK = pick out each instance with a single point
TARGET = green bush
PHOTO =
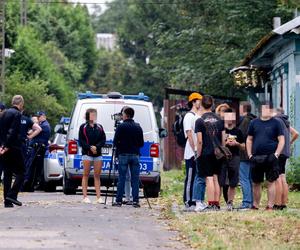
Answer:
(293, 173)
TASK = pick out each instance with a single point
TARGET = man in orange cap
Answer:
(194, 103)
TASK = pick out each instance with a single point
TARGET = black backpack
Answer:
(178, 129)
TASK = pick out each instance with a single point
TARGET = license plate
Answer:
(105, 151)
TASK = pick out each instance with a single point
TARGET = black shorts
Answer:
(264, 166)
(281, 162)
(230, 170)
(208, 165)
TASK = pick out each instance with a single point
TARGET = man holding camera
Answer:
(128, 141)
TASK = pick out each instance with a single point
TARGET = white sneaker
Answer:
(86, 200)
(200, 206)
(99, 201)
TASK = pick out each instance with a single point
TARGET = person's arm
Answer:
(280, 145)
(199, 143)
(102, 140)
(294, 134)
(36, 130)
(223, 138)
(189, 134)
(82, 140)
(249, 144)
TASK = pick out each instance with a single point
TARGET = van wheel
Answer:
(49, 187)
(152, 190)
(68, 187)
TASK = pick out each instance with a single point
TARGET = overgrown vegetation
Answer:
(187, 44)
(230, 230)
(55, 55)
(293, 173)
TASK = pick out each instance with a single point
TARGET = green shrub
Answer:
(293, 173)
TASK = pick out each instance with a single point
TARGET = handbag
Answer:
(220, 151)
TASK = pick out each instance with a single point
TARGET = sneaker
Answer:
(117, 204)
(244, 207)
(282, 207)
(254, 208)
(200, 206)
(127, 202)
(268, 208)
(86, 200)
(229, 206)
(277, 207)
(99, 201)
(136, 204)
(210, 208)
(189, 208)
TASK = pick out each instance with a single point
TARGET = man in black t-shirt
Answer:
(234, 140)
(265, 142)
(208, 128)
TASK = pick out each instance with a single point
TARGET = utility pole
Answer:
(23, 12)
(2, 48)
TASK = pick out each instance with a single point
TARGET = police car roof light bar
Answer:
(113, 95)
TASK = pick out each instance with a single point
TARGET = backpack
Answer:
(178, 129)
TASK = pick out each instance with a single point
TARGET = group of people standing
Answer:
(23, 142)
(257, 148)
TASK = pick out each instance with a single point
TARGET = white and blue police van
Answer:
(108, 106)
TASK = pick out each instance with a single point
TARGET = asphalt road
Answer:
(56, 221)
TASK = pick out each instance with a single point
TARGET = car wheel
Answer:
(68, 186)
(152, 190)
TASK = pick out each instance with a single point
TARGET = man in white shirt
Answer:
(190, 150)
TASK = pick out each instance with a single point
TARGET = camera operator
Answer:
(11, 152)
(128, 141)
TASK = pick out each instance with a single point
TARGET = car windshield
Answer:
(106, 110)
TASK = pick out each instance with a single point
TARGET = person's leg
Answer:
(233, 177)
(279, 192)
(225, 193)
(216, 189)
(210, 188)
(246, 185)
(122, 169)
(128, 185)
(188, 182)
(285, 188)
(7, 180)
(97, 173)
(199, 184)
(85, 177)
(272, 175)
(256, 194)
(135, 177)
(271, 193)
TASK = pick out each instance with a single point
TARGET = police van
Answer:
(108, 107)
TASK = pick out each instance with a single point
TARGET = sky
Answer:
(90, 3)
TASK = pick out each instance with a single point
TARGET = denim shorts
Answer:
(91, 158)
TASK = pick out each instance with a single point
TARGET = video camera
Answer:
(117, 117)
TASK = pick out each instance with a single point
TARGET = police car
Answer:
(54, 157)
(108, 106)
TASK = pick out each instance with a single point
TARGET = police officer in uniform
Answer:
(11, 152)
(35, 161)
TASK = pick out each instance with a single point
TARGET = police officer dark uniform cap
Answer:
(40, 113)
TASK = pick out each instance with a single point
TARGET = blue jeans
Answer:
(131, 161)
(246, 183)
(199, 187)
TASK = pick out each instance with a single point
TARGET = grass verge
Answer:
(231, 230)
